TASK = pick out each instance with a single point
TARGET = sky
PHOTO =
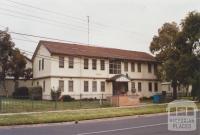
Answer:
(124, 24)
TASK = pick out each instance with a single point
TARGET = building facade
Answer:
(88, 70)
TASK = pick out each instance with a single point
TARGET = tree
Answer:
(163, 46)
(178, 50)
(12, 61)
(6, 47)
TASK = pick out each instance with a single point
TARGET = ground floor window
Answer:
(71, 86)
(61, 85)
(133, 87)
(94, 86)
(86, 86)
(102, 86)
(150, 86)
(156, 87)
(43, 86)
(139, 86)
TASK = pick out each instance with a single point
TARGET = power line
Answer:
(46, 10)
(83, 20)
(42, 18)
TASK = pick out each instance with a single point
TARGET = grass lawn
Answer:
(18, 105)
(78, 115)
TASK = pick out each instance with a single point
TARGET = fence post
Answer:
(32, 102)
(1, 110)
(56, 102)
(80, 100)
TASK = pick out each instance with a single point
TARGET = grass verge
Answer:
(78, 115)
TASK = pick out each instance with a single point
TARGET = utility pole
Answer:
(88, 19)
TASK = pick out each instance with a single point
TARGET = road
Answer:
(144, 125)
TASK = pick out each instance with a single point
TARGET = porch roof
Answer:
(119, 78)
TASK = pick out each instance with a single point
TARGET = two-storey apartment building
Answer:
(88, 70)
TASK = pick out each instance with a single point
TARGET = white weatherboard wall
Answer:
(52, 74)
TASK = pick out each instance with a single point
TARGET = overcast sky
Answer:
(125, 24)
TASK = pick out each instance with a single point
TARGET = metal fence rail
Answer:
(26, 104)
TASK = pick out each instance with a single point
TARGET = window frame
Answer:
(102, 64)
(139, 67)
(149, 68)
(70, 85)
(61, 87)
(132, 66)
(94, 64)
(150, 87)
(139, 86)
(86, 86)
(61, 62)
(70, 62)
(114, 67)
(103, 86)
(156, 87)
(94, 86)
(125, 66)
(86, 63)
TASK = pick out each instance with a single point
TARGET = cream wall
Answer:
(52, 73)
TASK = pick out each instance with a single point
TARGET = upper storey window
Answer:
(71, 62)
(149, 68)
(94, 64)
(102, 62)
(139, 67)
(115, 67)
(126, 66)
(86, 63)
(61, 61)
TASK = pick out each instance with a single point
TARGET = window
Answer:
(133, 87)
(71, 86)
(44, 86)
(126, 66)
(85, 63)
(39, 65)
(150, 87)
(149, 67)
(61, 85)
(102, 62)
(61, 61)
(94, 64)
(139, 86)
(71, 62)
(86, 86)
(94, 86)
(115, 67)
(155, 69)
(132, 67)
(103, 87)
(43, 64)
(156, 87)
(139, 67)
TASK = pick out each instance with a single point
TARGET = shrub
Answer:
(21, 93)
(55, 95)
(35, 93)
(67, 98)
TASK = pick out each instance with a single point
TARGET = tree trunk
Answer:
(174, 86)
(174, 92)
(16, 84)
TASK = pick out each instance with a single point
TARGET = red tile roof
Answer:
(93, 51)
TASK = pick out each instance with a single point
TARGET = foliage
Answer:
(67, 98)
(21, 93)
(12, 61)
(178, 51)
(35, 93)
(55, 94)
